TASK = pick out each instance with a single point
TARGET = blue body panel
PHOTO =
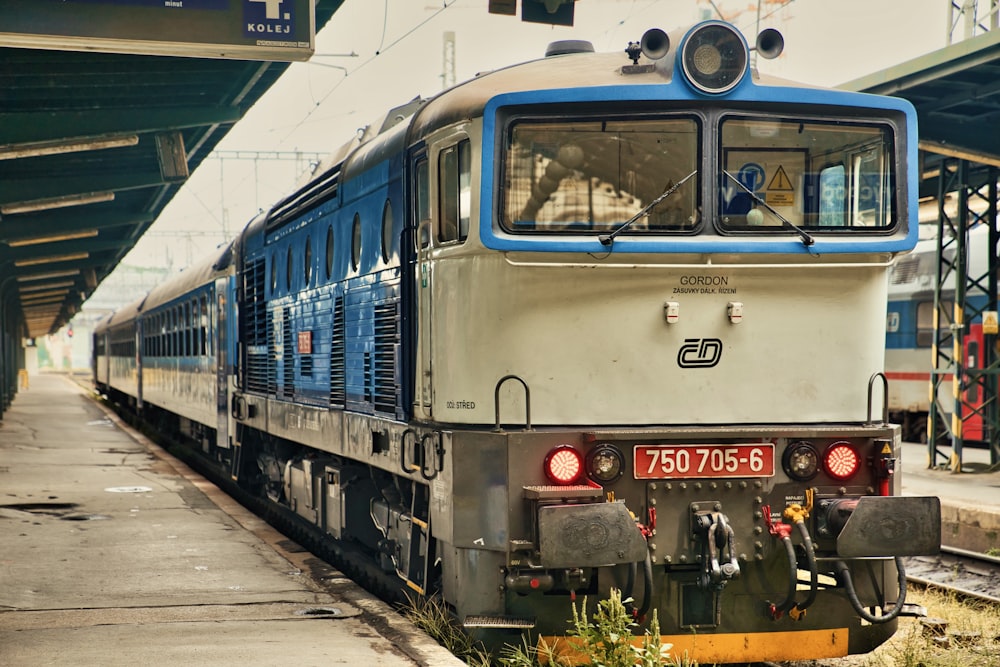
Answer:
(366, 289)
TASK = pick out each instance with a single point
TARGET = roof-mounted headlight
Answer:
(714, 57)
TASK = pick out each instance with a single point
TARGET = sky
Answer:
(377, 54)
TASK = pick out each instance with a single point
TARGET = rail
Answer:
(966, 574)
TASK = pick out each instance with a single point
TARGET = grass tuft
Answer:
(431, 615)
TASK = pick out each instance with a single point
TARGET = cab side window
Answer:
(454, 181)
(422, 187)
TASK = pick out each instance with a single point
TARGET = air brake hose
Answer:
(801, 607)
(629, 585)
(783, 532)
(844, 574)
(798, 514)
(647, 586)
(778, 609)
(630, 582)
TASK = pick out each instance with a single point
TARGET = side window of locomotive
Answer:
(591, 176)
(820, 175)
(274, 273)
(925, 321)
(307, 262)
(422, 192)
(386, 231)
(356, 242)
(454, 178)
(329, 252)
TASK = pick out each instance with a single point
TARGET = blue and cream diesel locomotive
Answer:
(591, 322)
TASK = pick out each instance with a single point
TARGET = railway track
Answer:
(967, 574)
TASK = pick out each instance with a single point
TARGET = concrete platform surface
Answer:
(970, 500)
(114, 553)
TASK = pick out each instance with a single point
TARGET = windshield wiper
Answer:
(807, 240)
(608, 239)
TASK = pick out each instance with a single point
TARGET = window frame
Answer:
(614, 115)
(814, 166)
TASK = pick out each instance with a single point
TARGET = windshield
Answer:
(794, 173)
(591, 176)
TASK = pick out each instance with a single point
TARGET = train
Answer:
(911, 337)
(589, 323)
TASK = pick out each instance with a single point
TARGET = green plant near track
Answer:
(605, 640)
(432, 616)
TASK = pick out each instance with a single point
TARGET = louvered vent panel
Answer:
(255, 329)
(272, 364)
(288, 351)
(338, 360)
(386, 397)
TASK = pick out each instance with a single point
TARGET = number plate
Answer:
(693, 461)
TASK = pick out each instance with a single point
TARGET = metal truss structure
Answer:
(965, 354)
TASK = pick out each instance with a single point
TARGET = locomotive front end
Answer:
(675, 325)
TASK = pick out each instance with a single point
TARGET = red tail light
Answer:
(563, 465)
(841, 460)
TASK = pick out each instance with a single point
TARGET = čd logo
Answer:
(699, 353)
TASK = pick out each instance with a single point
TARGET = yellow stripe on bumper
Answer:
(732, 647)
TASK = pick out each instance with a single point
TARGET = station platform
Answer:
(112, 552)
(970, 500)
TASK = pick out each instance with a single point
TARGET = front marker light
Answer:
(801, 461)
(563, 465)
(841, 460)
(605, 464)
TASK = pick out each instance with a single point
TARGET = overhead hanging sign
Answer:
(283, 30)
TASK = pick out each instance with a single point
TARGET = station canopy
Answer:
(96, 140)
(956, 91)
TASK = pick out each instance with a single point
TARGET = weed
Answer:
(431, 615)
(606, 640)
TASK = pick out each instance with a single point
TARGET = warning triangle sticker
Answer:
(780, 180)
(886, 449)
